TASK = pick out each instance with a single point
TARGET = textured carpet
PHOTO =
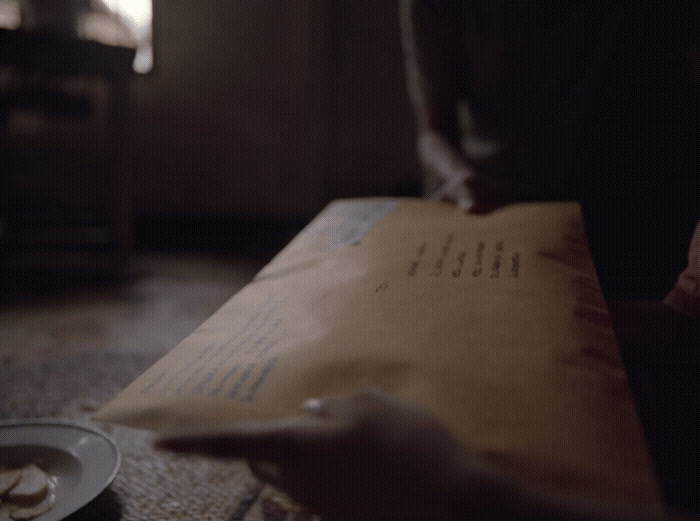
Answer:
(66, 354)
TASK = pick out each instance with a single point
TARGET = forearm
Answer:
(539, 507)
(496, 496)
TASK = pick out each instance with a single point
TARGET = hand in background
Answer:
(460, 183)
(685, 295)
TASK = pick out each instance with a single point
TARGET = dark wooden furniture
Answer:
(65, 208)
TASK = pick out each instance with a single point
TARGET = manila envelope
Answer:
(495, 324)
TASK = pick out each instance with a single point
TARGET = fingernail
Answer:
(465, 203)
(313, 405)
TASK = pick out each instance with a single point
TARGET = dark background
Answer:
(254, 116)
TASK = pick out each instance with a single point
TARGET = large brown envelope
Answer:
(496, 324)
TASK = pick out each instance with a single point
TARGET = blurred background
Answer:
(154, 156)
(142, 125)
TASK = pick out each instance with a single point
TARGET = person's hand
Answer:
(369, 456)
(685, 295)
(460, 183)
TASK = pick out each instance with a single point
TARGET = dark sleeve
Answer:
(433, 41)
(678, 23)
(687, 22)
(661, 350)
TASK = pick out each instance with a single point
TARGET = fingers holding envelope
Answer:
(461, 184)
(354, 457)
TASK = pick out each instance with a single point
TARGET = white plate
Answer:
(81, 460)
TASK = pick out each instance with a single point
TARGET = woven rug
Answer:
(151, 485)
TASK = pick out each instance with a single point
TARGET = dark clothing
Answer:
(575, 99)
